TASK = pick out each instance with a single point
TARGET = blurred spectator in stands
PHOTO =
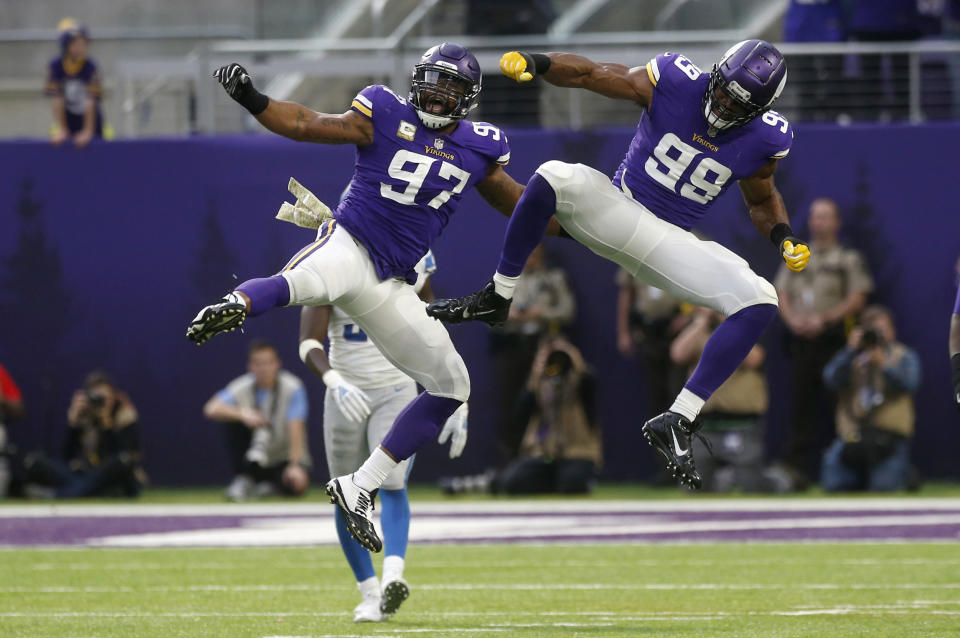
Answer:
(954, 346)
(648, 319)
(951, 31)
(876, 377)
(813, 305)
(11, 409)
(817, 79)
(73, 82)
(102, 452)
(543, 303)
(561, 446)
(883, 21)
(732, 418)
(265, 417)
(505, 101)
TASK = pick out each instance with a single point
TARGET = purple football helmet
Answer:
(750, 75)
(445, 85)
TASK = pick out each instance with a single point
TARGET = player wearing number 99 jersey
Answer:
(415, 157)
(698, 134)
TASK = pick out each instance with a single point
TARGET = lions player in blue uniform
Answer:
(699, 133)
(415, 158)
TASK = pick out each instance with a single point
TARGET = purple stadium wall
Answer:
(106, 253)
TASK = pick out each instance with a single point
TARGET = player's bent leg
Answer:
(391, 314)
(224, 316)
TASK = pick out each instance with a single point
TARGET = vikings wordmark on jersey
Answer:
(677, 164)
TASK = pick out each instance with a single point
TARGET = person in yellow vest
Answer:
(561, 448)
(875, 377)
(733, 417)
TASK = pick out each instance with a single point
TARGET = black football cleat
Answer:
(670, 435)
(357, 506)
(394, 593)
(486, 306)
(224, 316)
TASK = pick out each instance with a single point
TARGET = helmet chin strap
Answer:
(434, 121)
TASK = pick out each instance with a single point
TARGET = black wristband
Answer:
(780, 232)
(541, 62)
(253, 100)
(955, 368)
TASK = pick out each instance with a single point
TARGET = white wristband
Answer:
(332, 378)
(306, 346)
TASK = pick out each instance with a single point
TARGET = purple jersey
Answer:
(674, 167)
(75, 82)
(408, 182)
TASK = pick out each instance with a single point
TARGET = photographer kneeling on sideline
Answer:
(875, 377)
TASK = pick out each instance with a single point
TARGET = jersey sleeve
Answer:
(94, 83)
(363, 102)
(779, 135)
(669, 68)
(376, 102)
(490, 141)
(53, 86)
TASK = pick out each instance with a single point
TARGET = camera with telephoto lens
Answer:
(871, 339)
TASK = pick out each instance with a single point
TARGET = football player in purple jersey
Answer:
(699, 133)
(415, 158)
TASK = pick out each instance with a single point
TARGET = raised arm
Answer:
(314, 321)
(769, 215)
(609, 79)
(290, 119)
(502, 192)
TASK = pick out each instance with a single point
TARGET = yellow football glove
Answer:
(795, 253)
(517, 66)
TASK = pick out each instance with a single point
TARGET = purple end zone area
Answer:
(627, 525)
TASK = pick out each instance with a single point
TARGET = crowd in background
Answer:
(851, 403)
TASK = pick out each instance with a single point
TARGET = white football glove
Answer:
(351, 400)
(456, 426)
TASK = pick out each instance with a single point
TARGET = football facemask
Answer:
(442, 96)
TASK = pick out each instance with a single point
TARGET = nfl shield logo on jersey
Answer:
(438, 143)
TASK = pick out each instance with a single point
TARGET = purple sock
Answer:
(728, 346)
(527, 225)
(265, 293)
(418, 424)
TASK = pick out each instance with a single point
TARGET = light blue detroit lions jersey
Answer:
(408, 182)
(674, 166)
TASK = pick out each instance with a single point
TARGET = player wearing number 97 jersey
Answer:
(699, 133)
(415, 157)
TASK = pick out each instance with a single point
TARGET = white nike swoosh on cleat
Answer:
(676, 444)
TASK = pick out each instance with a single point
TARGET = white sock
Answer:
(369, 588)
(374, 470)
(687, 405)
(392, 568)
(504, 285)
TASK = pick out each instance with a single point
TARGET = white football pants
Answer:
(348, 443)
(336, 270)
(610, 223)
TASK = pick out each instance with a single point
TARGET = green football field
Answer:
(729, 589)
